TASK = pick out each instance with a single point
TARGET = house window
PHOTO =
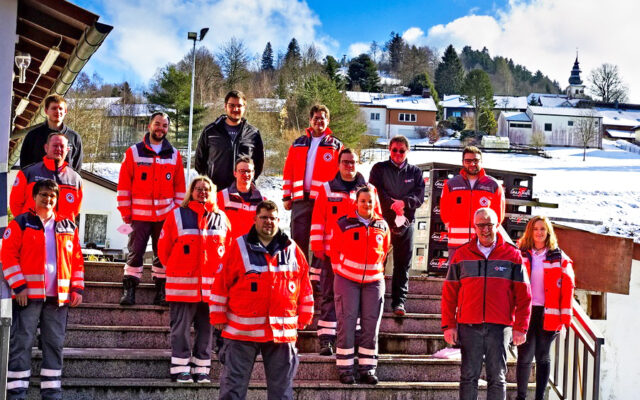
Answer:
(375, 116)
(95, 229)
(547, 127)
(456, 114)
(405, 117)
(570, 123)
(520, 125)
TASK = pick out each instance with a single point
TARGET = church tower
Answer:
(576, 88)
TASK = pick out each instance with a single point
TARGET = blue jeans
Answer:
(488, 343)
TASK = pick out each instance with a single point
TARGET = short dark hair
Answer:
(316, 108)
(54, 98)
(346, 150)
(266, 205)
(45, 184)
(399, 139)
(471, 150)
(163, 114)
(56, 133)
(240, 159)
(236, 94)
(364, 189)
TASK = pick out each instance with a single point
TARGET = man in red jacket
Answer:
(463, 194)
(485, 298)
(259, 299)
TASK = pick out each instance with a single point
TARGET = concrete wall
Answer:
(8, 19)
(376, 127)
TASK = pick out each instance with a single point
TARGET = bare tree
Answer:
(587, 131)
(607, 85)
(234, 60)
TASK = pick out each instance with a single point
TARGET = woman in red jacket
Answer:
(193, 240)
(552, 283)
(359, 247)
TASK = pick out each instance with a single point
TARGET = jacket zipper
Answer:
(484, 293)
(364, 272)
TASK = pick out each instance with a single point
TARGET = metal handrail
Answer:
(575, 376)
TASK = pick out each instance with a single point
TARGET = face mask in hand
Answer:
(400, 220)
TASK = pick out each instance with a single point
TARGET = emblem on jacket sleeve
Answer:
(559, 283)
(327, 157)
(292, 287)
(220, 251)
(69, 246)
(379, 238)
(70, 198)
(168, 176)
(17, 181)
(484, 202)
(7, 233)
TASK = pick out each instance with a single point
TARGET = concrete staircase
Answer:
(115, 352)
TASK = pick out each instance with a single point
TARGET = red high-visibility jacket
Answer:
(559, 282)
(262, 294)
(334, 201)
(69, 183)
(191, 246)
(487, 290)
(325, 165)
(358, 251)
(239, 211)
(24, 257)
(459, 202)
(150, 185)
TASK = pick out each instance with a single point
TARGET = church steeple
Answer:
(574, 79)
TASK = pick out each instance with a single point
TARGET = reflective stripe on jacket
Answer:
(325, 165)
(559, 282)
(459, 202)
(239, 211)
(334, 201)
(69, 183)
(191, 247)
(150, 185)
(24, 257)
(358, 251)
(262, 294)
(487, 290)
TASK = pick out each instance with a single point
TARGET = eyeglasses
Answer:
(201, 189)
(401, 151)
(245, 171)
(471, 161)
(485, 226)
(348, 162)
(232, 105)
(47, 195)
(265, 218)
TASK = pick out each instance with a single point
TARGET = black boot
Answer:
(160, 299)
(129, 296)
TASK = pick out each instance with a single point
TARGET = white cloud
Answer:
(412, 35)
(355, 49)
(147, 37)
(544, 34)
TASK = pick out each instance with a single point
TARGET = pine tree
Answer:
(364, 74)
(267, 58)
(331, 68)
(293, 56)
(395, 47)
(478, 92)
(450, 73)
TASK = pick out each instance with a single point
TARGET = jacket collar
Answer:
(481, 174)
(279, 242)
(401, 166)
(50, 164)
(255, 193)
(337, 184)
(473, 243)
(309, 132)
(200, 208)
(166, 146)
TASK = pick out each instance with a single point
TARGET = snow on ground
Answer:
(605, 187)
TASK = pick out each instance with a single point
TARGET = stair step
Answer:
(154, 364)
(162, 389)
(157, 337)
(110, 292)
(112, 272)
(103, 314)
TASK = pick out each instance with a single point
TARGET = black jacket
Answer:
(32, 150)
(404, 184)
(216, 154)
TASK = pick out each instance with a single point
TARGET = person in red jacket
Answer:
(259, 300)
(463, 194)
(151, 184)
(239, 201)
(360, 245)
(53, 166)
(42, 262)
(336, 198)
(191, 246)
(552, 284)
(486, 299)
(312, 160)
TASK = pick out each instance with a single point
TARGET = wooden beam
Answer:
(64, 11)
(47, 22)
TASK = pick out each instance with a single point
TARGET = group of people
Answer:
(222, 264)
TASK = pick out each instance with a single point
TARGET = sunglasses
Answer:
(401, 151)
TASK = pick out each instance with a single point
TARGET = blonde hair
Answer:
(212, 198)
(526, 241)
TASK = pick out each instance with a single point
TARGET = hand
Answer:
(127, 219)
(219, 327)
(398, 207)
(287, 204)
(451, 336)
(76, 299)
(319, 254)
(519, 338)
(21, 298)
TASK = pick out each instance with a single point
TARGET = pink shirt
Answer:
(537, 276)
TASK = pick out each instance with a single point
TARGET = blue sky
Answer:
(540, 34)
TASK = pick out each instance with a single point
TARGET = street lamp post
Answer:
(192, 36)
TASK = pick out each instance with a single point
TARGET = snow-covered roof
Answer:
(536, 96)
(564, 111)
(611, 116)
(618, 134)
(393, 101)
(501, 102)
(269, 105)
(131, 110)
(92, 103)
(515, 116)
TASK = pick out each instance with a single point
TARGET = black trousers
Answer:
(538, 345)
(402, 251)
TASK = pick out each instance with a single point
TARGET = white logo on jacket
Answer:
(327, 157)
(70, 198)
(484, 202)
(379, 238)
(292, 287)
(17, 181)
(69, 246)
(7, 233)
(221, 251)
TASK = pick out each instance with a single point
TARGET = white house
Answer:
(454, 106)
(559, 125)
